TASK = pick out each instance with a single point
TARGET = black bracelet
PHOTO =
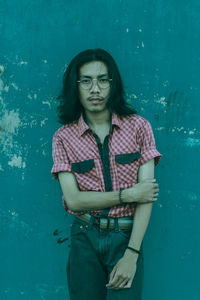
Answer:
(133, 249)
(120, 197)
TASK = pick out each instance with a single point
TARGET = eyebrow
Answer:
(99, 76)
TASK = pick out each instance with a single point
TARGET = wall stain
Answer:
(191, 142)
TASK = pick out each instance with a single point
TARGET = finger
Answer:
(123, 284)
(153, 200)
(113, 283)
(113, 279)
(118, 284)
(128, 285)
(155, 185)
(117, 280)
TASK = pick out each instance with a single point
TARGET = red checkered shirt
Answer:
(131, 144)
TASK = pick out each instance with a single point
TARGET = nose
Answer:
(95, 86)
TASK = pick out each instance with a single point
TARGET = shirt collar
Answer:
(83, 127)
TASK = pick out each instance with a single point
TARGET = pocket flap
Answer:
(83, 166)
(127, 157)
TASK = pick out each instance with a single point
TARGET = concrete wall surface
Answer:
(156, 46)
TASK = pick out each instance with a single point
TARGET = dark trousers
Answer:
(94, 252)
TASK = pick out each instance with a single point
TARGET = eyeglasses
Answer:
(87, 83)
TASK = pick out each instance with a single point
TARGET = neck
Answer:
(95, 120)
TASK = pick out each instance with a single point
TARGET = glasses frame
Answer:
(109, 79)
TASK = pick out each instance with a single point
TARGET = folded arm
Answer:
(77, 200)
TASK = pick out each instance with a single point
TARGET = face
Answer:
(95, 99)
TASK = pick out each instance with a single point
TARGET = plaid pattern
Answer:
(131, 144)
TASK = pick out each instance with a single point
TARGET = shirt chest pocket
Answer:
(127, 166)
(86, 175)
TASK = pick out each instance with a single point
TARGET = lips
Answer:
(95, 100)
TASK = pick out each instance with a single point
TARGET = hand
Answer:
(123, 272)
(143, 192)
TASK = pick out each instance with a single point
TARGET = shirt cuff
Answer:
(60, 168)
(150, 154)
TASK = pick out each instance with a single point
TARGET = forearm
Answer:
(143, 210)
(92, 200)
(140, 224)
(82, 200)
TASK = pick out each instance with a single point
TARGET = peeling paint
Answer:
(22, 63)
(42, 123)
(29, 96)
(47, 103)
(191, 132)
(10, 121)
(1, 86)
(161, 101)
(165, 83)
(6, 88)
(15, 86)
(133, 95)
(2, 69)
(160, 128)
(191, 142)
(10, 124)
(16, 161)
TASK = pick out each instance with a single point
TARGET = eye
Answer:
(85, 81)
(103, 80)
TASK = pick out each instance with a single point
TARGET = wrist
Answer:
(130, 254)
(126, 197)
(134, 250)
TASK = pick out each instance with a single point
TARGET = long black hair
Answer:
(70, 108)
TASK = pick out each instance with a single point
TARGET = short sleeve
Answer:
(60, 158)
(147, 144)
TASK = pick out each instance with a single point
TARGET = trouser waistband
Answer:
(108, 223)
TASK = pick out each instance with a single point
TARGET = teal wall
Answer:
(156, 45)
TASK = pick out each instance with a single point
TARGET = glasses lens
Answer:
(86, 84)
(103, 83)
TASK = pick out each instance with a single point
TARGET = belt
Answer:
(108, 223)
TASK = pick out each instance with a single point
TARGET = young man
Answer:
(104, 158)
